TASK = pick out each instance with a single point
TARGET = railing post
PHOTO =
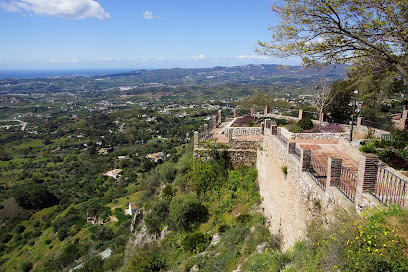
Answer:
(291, 147)
(367, 175)
(403, 120)
(274, 129)
(236, 113)
(219, 117)
(359, 121)
(268, 123)
(333, 171)
(214, 121)
(300, 116)
(196, 138)
(229, 134)
(305, 159)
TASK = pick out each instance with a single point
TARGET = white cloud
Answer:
(74, 60)
(253, 57)
(199, 57)
(71, 9)
(108, 59)
(148, 15)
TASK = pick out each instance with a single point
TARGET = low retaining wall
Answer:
(245, 131)
(312, 136)
(360, 129)
(232, 144)
(237, 156)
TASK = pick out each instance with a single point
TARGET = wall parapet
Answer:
(315, 136)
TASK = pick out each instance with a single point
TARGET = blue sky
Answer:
(133, 33)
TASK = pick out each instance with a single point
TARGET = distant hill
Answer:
(248, 74)
(292, 77)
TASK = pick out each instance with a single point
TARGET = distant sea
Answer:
(36, 73)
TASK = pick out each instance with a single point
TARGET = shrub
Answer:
(157, 216)
(294, 128)
(209, 175)
(268, 261)
(93, 264)
(168, 192)
(284, 170)
(305, 123)
(245, 121)
(148, 260)
(5, 238)
(186, 211)
(19, 229)
(103, 233)
(196, 242)
(368, 147)
(26, 266)
(63, 233)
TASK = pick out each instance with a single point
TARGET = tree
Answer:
(322, 97)
(186, 211)
(339, 110)
(46, 140)
(370, 33)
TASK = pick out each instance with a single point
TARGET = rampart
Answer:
(292, 200)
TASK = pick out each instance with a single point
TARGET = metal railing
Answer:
(317, 172)
(347, 183)
(389, 188)
(382, 126)
(297, 153)
(281, 137)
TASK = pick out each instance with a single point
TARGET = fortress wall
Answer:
(289, 202)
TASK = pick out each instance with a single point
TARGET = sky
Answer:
(80, 34)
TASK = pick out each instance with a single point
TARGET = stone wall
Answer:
(291, 201)
(237, 157)
(364, 130)
(312, 136)
(233, 144)
(245, 131)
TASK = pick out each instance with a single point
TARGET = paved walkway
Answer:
(323, 149)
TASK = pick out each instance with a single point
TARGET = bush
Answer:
(35, 197)
(305, 123)
(92, 265)
(268, 261)
(284, 170)
(168, 192)
(103, 233)
(19, 229)
(157, 216)
(186, 211)
(26, 266)
(196, 242)
(5, 238)
(63, 233)
(148, 260)
(210, 175)
(368, 147)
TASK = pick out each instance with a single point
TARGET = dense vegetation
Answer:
(58, 210)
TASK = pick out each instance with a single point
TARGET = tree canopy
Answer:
(370, 33)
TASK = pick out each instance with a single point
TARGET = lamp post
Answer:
(352, 118)
(403, 98)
